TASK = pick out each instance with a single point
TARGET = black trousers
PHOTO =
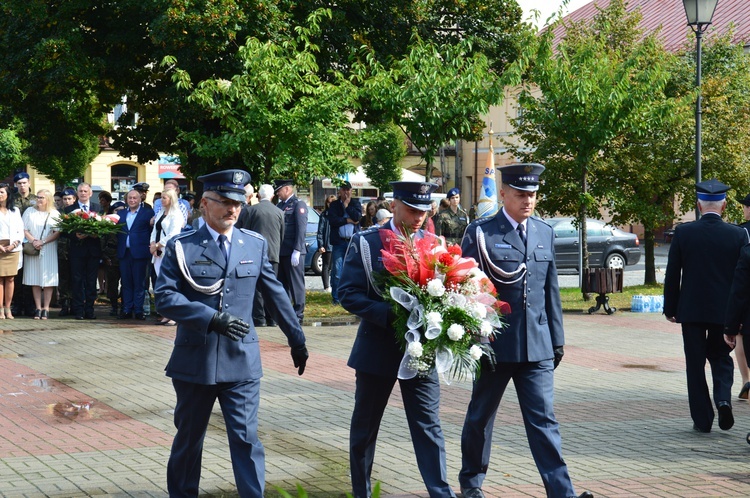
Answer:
(293, 280)
(261, 314)
(83, 273)
(326, 275)
(705, 342)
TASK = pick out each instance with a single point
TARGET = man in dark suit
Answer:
(267, 220)
(133, 252)
(85, 253)
(376, 355)
(739, 350)
(343, 216)
(516, 250)
(206, 284)
(702, 258)
(293, 249)
(737, 320)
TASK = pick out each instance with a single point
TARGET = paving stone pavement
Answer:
(85, 410)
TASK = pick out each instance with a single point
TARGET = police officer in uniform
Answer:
(516, 250)
(376, 355)
(206, 284)
(451, 223)
(701, 262)
(293, 249)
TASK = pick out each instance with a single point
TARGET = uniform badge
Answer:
(301, 210)
(238, 177)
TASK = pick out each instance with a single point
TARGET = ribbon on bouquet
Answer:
(443, 356)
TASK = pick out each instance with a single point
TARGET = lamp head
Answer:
(699, 12)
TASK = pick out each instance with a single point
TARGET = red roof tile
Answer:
(670, 16)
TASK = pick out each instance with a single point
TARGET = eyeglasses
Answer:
(227, 204)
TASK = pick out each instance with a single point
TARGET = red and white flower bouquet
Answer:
(89, 223)
(446, 307)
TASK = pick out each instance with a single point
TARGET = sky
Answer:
(548, 7)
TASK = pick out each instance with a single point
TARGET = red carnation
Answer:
(455, 249)
(445, 259)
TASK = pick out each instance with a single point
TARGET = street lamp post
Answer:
(699, 14)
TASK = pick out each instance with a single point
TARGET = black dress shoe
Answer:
(726, 419)
(586, 494)
(705, 431)
(139, 316)
(90, 316)
(79, 317)
(744, 391)
(472, 492)
(125, 316)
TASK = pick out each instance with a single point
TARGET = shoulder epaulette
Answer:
(250, 232)
(184, 234)
(482, 221)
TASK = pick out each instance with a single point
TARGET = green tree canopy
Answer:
(598, 85)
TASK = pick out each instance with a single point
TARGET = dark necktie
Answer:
(221, 239)
(521, 233)
(85, 208)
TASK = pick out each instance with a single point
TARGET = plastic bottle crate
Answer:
(647, 304)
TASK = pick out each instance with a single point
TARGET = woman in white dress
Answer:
(168, 224)
(40, 271)
(11, 235)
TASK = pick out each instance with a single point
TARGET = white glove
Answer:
(295, 258)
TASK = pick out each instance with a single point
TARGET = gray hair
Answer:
(265, 192)
(249, 190)
(715, 206)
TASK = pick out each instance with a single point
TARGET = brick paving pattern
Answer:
(85, 410)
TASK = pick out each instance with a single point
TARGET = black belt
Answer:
(345, 238)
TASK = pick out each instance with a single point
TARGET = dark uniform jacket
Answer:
(267, 220)
(375, 349)
(295, 226)
(700, 266)
(738, 308)
(525, 278)
(201, 356)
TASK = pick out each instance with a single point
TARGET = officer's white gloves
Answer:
(295, 257)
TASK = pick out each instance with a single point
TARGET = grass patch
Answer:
(572, 299)
(319, 304)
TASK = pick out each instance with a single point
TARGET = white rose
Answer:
(486, 329)
(456, 300)
(475, 352)
(434, 319)
(478, 310)
(435, 288)
(455, 332)
(414, 349)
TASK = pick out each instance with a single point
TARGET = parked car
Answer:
(669, 233)
(609, 247)
(313, 258)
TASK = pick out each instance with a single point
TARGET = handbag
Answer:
(28, 247)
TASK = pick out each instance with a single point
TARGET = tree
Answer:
(52, 81)
(435, 93)
(276, 116)
(11, 155)
(598, 85)
(655, 169)
(382, 156)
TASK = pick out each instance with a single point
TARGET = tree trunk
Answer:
(582, 230)
(648, 246)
